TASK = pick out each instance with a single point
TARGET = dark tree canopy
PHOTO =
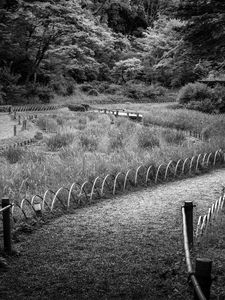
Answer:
(205, 29)
(54, 45)
(122, 19)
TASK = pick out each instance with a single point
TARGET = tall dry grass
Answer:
(181, 119)
(87, 145)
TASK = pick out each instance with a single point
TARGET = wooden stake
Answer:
(188, 206)
(7, 227)
(203, 270)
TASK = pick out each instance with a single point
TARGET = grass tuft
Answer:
(59, 140)
(13, 155)
(147, 138)
(173, 136)
(47, 124)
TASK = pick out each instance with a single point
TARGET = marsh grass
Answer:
(47, 124)
(180, 119)
(173, 136)
(13, 155)
(88, 145)
(148, 138)
(214, 129)
(59, 140)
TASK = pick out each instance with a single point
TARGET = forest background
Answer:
(135, 49)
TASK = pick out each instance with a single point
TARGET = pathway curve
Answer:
(128, 247)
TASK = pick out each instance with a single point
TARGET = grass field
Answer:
(173, 116)
(80, 146)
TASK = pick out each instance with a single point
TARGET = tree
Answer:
(162, 53)
(125, 70)
(205, 28)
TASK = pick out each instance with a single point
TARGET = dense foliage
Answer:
(50, 47)
(200, 97)
(205, 29)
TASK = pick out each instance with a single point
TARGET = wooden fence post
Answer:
(7, 226)
(188, 207)
(14, 130)
(24, 126)
(203, 270)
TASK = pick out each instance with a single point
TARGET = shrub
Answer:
(59, 140)
(11, 92)
(214, 129)
(173, 136)
(116, 139)
(38, 135)
(88, 141)
(219, 96)
(47, 124)
(200, 97)
(86, 87)
(206, 106)
(92, 116)
(76, 107)
(125, 125)
(38, 93)
(194, 92)
(140, 90)
(147, 138)
(102, 86)
(62, 85)
(13, 155)
(44, 93)
(113, 89)
(60, 121)
(93, 92)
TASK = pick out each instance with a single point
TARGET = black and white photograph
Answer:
(112, 149)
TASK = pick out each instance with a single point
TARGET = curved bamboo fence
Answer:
(76, 195)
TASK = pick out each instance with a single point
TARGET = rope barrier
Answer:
(191, 274)
(212, 215)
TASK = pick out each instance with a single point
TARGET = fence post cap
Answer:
(188, 204)
(203, 261)
(203, 267)
(5, 201)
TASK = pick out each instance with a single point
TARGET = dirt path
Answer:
(129, 247)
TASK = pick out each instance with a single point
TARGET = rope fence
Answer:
(200, 277)
(206, 222)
